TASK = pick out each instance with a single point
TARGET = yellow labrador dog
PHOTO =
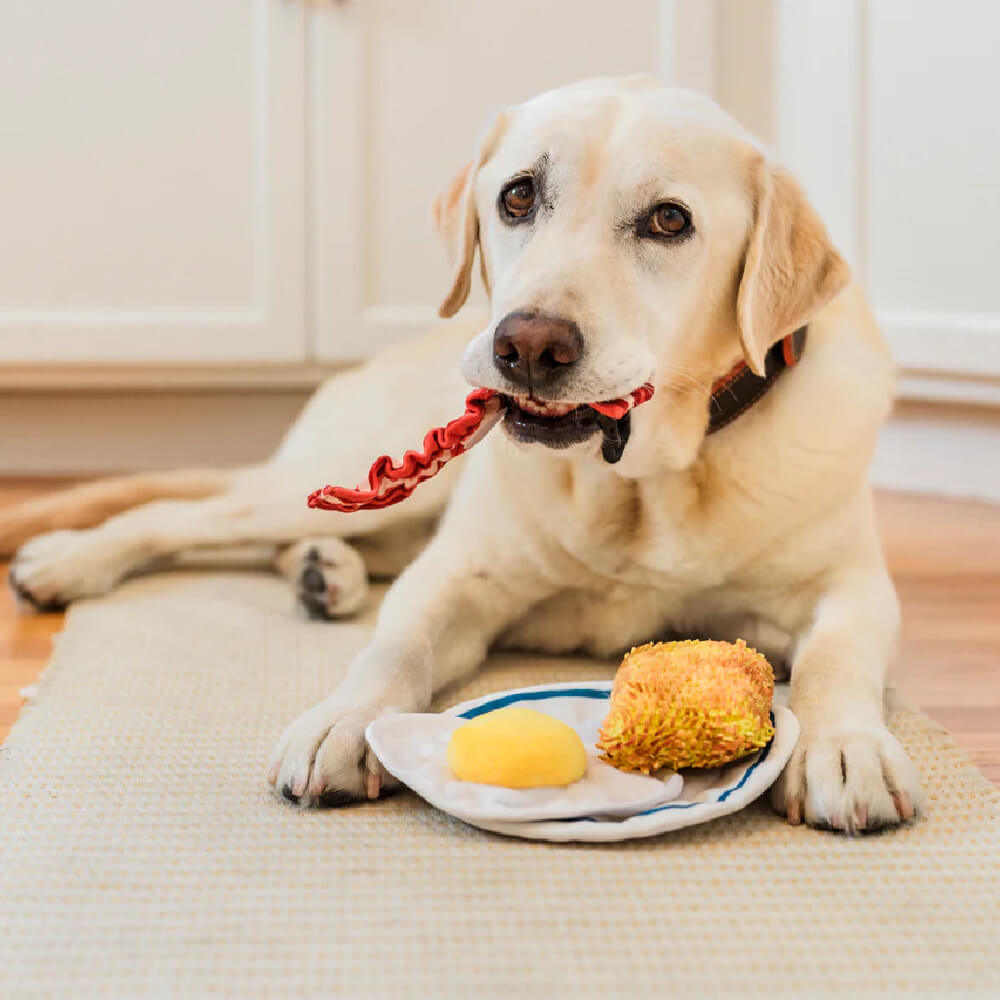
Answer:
(627, 233)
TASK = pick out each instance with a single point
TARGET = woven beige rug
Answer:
(141, 854)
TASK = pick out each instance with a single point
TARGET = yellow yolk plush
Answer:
(688, 704)
(517, 748)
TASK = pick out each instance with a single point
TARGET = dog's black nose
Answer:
(534, 350)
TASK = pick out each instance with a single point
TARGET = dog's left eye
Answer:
(668, 219)
(518, 198)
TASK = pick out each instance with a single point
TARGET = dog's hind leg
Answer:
(92, 503)
(61, 566)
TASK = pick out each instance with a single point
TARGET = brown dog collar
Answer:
(736, 392)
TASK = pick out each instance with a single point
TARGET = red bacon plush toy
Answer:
(389, 481)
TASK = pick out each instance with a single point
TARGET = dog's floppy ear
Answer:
(791, 268)
(457, 220)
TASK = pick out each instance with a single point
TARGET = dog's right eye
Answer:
(668, 221)
(517, 199)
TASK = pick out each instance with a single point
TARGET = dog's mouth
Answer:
(561, 425)
(556, 425)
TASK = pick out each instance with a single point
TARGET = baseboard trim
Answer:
(942, 449)
(77, 378)
(934, 387)
(92, 433)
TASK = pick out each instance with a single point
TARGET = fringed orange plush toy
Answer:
(688, 704)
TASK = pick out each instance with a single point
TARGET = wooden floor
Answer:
(944, 556)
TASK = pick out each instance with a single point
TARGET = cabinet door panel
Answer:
(153, 181)
(400, 94)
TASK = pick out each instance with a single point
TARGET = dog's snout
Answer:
(533, 350)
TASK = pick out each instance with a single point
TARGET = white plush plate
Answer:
(414, 749)
(705, 795)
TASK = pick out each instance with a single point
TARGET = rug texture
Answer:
(142, 855)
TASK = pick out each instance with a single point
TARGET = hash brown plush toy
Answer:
(698, 703)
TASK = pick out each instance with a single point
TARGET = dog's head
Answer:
(628, 232)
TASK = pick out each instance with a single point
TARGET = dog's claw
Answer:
(373, 776)
(21, 591)
(903, 805)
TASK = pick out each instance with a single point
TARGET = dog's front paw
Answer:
(322, 758)
(53, 569)
(848, 779)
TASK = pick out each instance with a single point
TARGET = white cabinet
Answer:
(152, 199)
(933, 220)
(401, 91)
(238, 181)
(230, 182)
(886, 110)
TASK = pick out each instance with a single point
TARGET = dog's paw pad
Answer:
(329, 577)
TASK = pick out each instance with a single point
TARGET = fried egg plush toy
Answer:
(517, 748)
